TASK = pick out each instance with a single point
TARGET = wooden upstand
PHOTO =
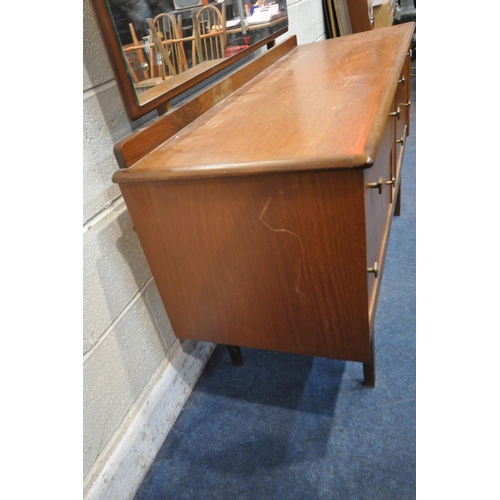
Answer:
(264, 204)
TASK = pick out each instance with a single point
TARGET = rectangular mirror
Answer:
(161, 48)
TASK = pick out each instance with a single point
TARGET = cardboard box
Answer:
(383, 12)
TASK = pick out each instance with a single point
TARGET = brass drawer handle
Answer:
(376, 185)
(406, 103)
(374, 269)
(391, 182)
(410, 53)
(396, 113)
(402, 81)
(401, 141)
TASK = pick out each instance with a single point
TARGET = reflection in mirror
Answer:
(166, 43)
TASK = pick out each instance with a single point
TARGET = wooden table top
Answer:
(324, 105)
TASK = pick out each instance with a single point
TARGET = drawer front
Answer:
(403, 94)
(401, 115)
(378, 210)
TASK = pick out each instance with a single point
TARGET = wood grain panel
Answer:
(139, 144)
(359, 16)
(273, 261)
(284, 118)
(343, 18)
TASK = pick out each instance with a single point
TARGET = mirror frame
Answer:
(127, 91)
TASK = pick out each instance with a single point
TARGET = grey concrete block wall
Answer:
(114, 271)
(305, 20)
(96, 67)
(126, 331)
(95, 197)
(115, 373)
(105, 122)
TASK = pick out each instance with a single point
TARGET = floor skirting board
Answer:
(142, 438)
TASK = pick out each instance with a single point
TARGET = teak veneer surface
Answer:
(263, 213)
(322, 106)
(137, 145)
(260, 261)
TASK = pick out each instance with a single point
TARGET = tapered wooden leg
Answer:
(397, 208)
(369, 368)
(235, 353)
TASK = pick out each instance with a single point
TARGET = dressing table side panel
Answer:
(272, 261)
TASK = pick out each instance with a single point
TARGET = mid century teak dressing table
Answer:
(264, 203)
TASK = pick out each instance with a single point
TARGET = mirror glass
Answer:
(165, 44)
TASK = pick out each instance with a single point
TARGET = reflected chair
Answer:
(210, 33)
(141, 57)
(141, 54)
(141, 61)
(168, 42)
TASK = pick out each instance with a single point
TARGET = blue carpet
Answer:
(294, 427)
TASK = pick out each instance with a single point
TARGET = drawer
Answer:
(403, 94)
(399, 149)
(401, 109)
(378, 209)
(397, 146)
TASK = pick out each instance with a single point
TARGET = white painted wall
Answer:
(136, 375)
